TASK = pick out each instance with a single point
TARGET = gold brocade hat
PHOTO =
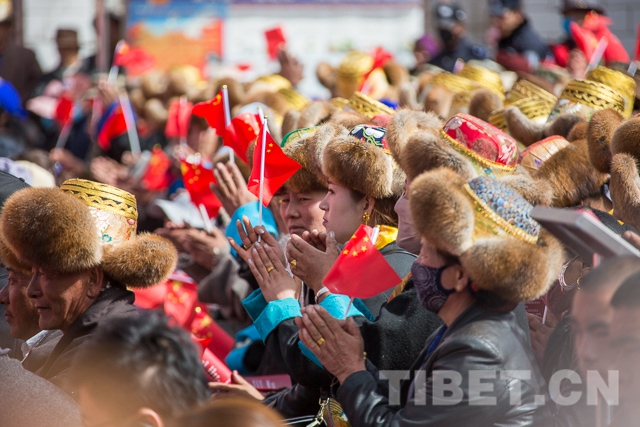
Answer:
(484, 77)
(525, 89)
(276, 81)
(82, 225)
(621, 82)
(585, 97)
(534, 156)
(535, 109)
(294, 98)
(355, 65)
(368, 107)
(340, 103)
(454, 83)
(487, 225)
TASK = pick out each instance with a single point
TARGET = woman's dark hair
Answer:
(383, 211)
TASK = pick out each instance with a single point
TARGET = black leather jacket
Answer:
(478, 340)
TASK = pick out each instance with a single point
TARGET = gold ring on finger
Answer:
(293, 263)
(270, 268)
(320, 341)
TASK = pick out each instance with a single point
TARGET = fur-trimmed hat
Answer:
(528, 131)
(79, 226)
(571, 174)
(362, 165)
(306, 179)
(486, 224)
(601, 127)
(625, 181)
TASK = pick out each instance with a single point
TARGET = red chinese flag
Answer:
(64, 107)
(203, 326)
(136, 60)
(278, 168)
(197, 180)
(213, 112)
(242, 131)
(114, 126)
(157, 176)
(361, 271)
(178, 119)
(275, 41)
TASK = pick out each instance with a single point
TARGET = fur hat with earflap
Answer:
(487, 226)
(625, 178)
(82, 225)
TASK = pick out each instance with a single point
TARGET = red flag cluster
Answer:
(197, 181)
(242, 130)
(360, 271)
(178, 296)
(278, 168)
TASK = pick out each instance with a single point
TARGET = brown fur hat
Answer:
(626, 138)
(424, 151)
(513, 268)
(404, 123)
(349, 119)
(318, 143)
(361, 166)
(601, 128)
(534, 191)
(625, 189)
(143, 261)
(306, 179)
(579, 131)
(529, 132)
(50, 229)
(571, 175)
(483, 103)
(439, 100)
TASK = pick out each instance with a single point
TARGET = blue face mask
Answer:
(566, 25)
(428, 286)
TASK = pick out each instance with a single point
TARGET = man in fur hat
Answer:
(78, 243)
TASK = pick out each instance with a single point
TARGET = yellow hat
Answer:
(535, 109)
(624, 84)
(484, 77)
(368, 107)
(525, 89)
(585, 97)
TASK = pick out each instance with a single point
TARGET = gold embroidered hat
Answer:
(487, 225)
(368, 107)
(585, 97)
(484, 77)
(525, 89)
(83, 224)
(624, 84)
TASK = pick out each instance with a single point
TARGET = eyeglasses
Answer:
(571, 273)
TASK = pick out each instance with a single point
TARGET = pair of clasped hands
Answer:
(337, 343)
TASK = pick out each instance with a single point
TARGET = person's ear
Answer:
(461, 278)
(96, 281)
(369, 203)
(147, 417)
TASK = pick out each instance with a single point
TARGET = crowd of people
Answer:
(164, 264)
